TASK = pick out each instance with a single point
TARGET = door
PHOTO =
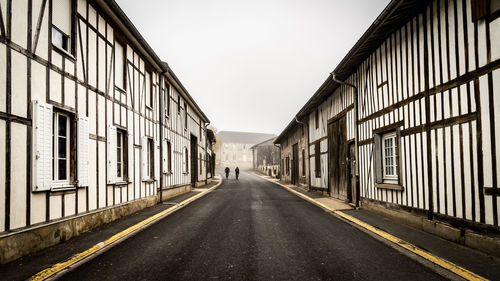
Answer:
(337, 162)
(351, 188)
(295, 164)
(194, 162)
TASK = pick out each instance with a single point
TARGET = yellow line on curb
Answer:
(456, 269)
(49, 272)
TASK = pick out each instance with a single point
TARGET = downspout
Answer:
(308, 143)
(162, 117)
(206, 153)
(356, 135)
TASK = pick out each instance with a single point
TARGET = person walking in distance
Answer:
(227, 172)
(237, 172)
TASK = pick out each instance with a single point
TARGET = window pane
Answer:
(60, 39)
(62, 129)
(61, 147)
(62, 169)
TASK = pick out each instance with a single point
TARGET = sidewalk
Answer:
(27, 266)
(475, 261)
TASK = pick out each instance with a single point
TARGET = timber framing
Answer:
(429, 71)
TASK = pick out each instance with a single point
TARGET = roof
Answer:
(265, 143)
(396, 14)
(129, 29)
(243, 137)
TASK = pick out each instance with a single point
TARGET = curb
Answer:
(59, 269)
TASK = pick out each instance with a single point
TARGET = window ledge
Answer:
(63, 188)
(149, 180)
(389, 186)
(121, 183)
(63, 52)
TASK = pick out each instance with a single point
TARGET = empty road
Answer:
(252, 229)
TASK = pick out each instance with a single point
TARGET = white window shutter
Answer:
(42, 146)
(184, 160)
(144, 158)
(156, 160)
(164, 156)
(111, 138)
(82, 151)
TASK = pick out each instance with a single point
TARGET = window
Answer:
(151, 155)
(185, 116)
(149, 90)
(120, 80)
(386, 157)
(169, 154)
(317, 159)
(179, 105)
(62, 148)
(167, 99)
(389, 161)
(303, 162)
(61, 24)
(288, 165)
(316, 118)
(121, 155)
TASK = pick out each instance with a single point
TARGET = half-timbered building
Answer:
(92, 121)
(409, 119)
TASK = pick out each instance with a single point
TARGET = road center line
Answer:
(456, 269)
(56, 268)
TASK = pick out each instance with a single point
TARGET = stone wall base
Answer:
(469, 238)
(26, 241)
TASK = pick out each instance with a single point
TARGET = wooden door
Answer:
(351, 188)
(295, 164)
(337, 162)
(194, 162)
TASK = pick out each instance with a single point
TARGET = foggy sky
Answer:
(251, 65)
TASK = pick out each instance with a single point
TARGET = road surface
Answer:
(252, 229)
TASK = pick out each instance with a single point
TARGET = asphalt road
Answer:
(252, 229)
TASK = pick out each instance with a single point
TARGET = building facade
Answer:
(90, 118)
(233, 148)
(294, 155)
(416, 100)
(266, 157)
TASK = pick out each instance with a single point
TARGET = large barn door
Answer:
(338, 164)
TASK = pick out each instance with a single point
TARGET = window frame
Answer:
(121, 136)
(70, 149)
(151, 159)
(124, 61)
(317, 159)
(390, 178)
(169, 155)
(379, 135)
(71, 42)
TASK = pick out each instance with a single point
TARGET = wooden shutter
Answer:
(164, 156)
(377, 158)
(42, 146)
(156, 161)
(61, 15)
(82, 151)
(111, 154)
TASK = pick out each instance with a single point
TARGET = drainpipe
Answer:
(162, 117)
(308, 142)
(206, 153)
(356, 134)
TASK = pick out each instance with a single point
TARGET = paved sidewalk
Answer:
(25, 267)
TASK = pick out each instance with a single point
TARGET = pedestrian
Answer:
(227, 172)
(237, 172)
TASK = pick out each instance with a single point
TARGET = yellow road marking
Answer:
(48, 272)
(456, 269)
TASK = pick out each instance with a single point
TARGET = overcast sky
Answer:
(251, 65)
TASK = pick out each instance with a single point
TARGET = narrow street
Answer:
(251, 229)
